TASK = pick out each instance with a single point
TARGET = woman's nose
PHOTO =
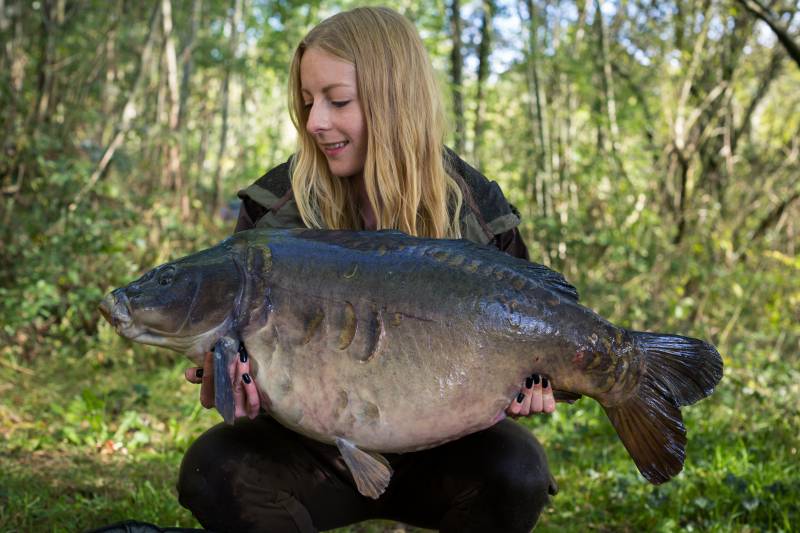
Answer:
(318, 119)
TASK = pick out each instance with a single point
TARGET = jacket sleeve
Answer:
(268, 203)
(249, 213)
(486, 216)
(511, 243)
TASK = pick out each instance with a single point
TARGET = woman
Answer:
(370, 122)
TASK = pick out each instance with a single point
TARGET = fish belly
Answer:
(420, 384)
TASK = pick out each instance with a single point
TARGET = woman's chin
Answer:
(343, 171)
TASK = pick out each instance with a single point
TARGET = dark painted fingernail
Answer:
(529, 382)
(242, 353)
(544, 383)
(536, 379)
(246, 378)
(520, 397)
(198, 373)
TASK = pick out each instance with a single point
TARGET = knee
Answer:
(525, 484)
(521, 483)
(230, 481)
(206, 473)
(510, 499)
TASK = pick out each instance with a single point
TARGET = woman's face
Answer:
(335, 118)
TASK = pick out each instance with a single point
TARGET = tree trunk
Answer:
(608, 88)
(110, 88)
(14, 59)
(233, 25)
(188, 64)
(174, 171)
(535, 100)
(456, 63)
(683, 147)
(205, 117)
(47, 41)
(484, 50)
(183, 110)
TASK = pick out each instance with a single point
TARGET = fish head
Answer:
(185, 305)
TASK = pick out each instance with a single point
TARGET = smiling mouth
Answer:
(329, 147)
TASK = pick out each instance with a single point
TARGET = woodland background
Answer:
(652, 148)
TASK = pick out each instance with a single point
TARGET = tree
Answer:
(456, 66)
(484, 51)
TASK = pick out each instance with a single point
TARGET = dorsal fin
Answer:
(532, 272)
(551, 279)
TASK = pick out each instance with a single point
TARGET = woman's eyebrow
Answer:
(329, 87)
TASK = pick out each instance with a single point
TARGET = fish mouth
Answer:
(115, 308)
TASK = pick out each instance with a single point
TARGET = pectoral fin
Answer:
(226, 350)
(371, 471)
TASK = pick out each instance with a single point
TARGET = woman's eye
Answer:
(307, 106)
(341, 103)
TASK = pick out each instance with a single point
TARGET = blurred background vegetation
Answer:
(651, 147)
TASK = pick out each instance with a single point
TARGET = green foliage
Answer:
(685, 222)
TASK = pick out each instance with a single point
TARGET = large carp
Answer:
(381, 342)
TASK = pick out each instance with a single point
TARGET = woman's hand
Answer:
(245, 392)
(535, 396)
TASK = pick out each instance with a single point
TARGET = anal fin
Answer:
(371, 471)
(566, 396)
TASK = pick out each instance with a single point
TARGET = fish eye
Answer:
(166, 276)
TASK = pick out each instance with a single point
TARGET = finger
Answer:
(240, 369)
(516, 405)
(194, 374)
(251, 392)
(207, 387)
(548, 401)
(536, 394)
(246, 396)
(527, 390)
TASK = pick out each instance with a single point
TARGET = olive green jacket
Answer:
(486, 217)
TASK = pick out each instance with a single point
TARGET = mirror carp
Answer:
(364, 339)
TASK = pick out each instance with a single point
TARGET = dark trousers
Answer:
(259, 476)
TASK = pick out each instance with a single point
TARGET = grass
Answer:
(95, 438)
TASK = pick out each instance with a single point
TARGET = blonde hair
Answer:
(404, 173)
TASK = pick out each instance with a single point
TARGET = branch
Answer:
(774, 216)
(762, 13)
(766, 79)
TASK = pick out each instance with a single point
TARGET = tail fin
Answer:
(677, 371)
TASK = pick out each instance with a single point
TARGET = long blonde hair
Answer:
(404, 174)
